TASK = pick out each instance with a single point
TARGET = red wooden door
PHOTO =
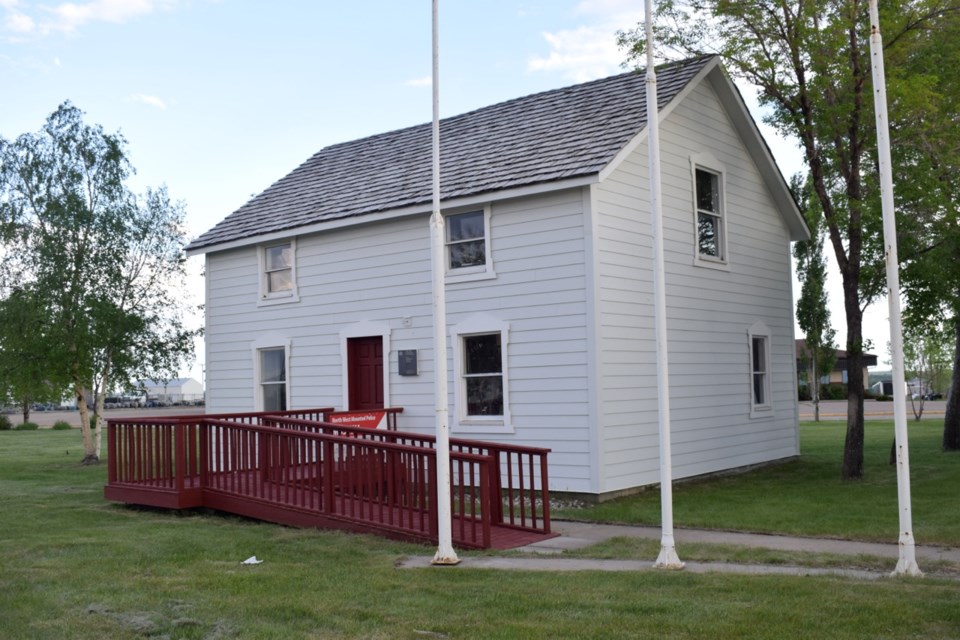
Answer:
(365, 373)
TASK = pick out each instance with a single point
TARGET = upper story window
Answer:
(279, 268)
(711, 240)
(278, 273)
(466, 240)
(468, 245)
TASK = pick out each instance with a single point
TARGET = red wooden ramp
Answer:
(296, 468)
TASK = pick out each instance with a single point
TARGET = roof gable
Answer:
(546, 137)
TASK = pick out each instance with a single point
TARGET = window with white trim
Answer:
(278, 273)
(482, 389)
(761, 400)
(272, 379)
(483, 375)
(467, 245)
(711, 225)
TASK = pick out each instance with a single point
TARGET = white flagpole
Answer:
(445, 552)
(668, 558)
(907, 563)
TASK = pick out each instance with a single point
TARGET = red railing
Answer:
(518, 474)
(296, 469)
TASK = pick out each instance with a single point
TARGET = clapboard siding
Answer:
(709, 311)
(380, 273)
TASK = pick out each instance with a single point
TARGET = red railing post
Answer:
(545, 493)
(111, 452)
(180, 457)
(203, 431)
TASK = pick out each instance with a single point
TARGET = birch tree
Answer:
(103, 263)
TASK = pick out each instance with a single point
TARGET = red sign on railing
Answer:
(363, 419)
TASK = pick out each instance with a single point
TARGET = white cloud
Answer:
(589, 51)
(425, 81)
(153, 101)
(67, 17)
(607, 7)
(20, 23)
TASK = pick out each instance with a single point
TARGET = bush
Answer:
(803, 393)
(27, 426)
(61, 425)
(5, 424)
(833, 391)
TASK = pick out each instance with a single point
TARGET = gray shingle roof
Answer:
(554, 135)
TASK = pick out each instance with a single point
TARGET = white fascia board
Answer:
(641, 137)
(392, 214)
(762, 157)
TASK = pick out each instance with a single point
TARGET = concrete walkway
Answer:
(578, 535)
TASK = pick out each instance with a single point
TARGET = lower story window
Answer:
(273, 379)
(761, 382)
(483, 374)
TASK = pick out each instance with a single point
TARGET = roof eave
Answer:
(391, 214)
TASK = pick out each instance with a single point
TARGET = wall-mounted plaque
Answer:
(408, 362)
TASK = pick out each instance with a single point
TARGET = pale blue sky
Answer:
(220, 98)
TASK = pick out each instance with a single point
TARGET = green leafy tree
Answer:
(105, 265)
(26, 371)
(926, 356)
(926, 158)
(811, 66)
(813, 314)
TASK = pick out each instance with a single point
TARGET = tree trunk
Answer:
(98, 415)
(25, 408)
(852, 467)
(815, 379)
(951, 419)
(89, 451)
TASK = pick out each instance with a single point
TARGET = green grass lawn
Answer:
(807, 496)
(75, 566)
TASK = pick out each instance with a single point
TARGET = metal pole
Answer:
(668, 558)
(907, 563)
(445, 553)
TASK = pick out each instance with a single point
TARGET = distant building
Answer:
(840, 373)
(174, 391)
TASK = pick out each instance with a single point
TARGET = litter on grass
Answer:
(252, 560)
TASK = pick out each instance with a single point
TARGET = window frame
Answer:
(258, 347)
(708, 164)
(476, 272)
(759, 331)
(477, 326)
(268, 297)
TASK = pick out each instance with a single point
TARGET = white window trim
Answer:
(470, 274)
(760, 330)
(266, 298)
(707, 162)
(463, 423)
(364, 329)
(263, 344)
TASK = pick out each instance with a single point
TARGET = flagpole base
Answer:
(445, 558)
(668, 559)
(907, 564)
